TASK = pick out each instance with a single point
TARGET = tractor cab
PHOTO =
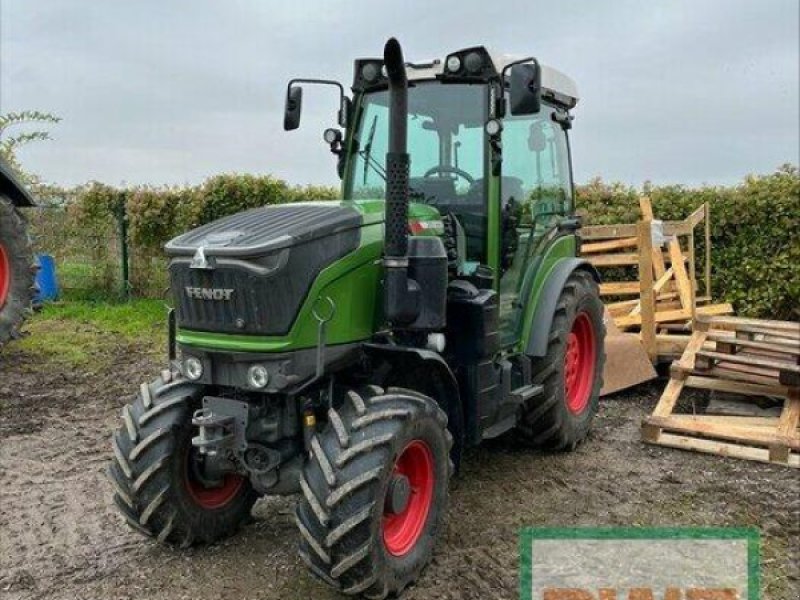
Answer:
(489, 150)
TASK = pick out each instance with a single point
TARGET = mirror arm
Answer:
(343, 100)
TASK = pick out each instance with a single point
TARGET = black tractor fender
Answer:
(546, 307)
(440, 383)
(11, 187)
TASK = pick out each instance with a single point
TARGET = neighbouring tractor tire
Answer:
(17, 271)
(156, 476)
(374, 492)
(571, 371)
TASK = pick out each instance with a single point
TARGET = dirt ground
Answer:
(60, 537)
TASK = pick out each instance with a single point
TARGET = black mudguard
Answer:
(447, 396)
(11, 187)
(546, 308)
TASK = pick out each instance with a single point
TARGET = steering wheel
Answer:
(447, 169)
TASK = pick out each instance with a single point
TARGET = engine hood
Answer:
(266, 229)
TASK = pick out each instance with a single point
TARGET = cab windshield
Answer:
(446, 146)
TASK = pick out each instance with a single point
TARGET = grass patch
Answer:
(75, 333)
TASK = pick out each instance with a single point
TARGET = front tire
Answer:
(157, 481)
(375, 491)
(571, 371)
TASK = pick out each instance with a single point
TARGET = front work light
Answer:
(257, 376)
(192, 368)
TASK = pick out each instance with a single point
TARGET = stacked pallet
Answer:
(751, 358)
(657, 260)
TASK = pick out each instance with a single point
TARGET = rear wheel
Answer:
(375, 491)
(16, 271)
(571, 371)
(160, 484)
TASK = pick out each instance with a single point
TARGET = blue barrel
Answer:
(46, 279)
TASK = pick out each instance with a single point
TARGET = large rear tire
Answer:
(571, 371)
(375, 491)
(17, 271)
(156, 475)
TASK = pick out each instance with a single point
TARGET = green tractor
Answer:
(349, 352)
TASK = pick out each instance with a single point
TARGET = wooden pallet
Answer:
(747, 357)
(665, 293)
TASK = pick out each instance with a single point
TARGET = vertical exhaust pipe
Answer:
(401, 294)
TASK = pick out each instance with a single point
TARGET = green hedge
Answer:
(755, 252)
(754, 235)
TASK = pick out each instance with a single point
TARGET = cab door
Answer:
(536, 192)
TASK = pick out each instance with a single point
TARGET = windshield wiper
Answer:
(369, 161)
(366, 153)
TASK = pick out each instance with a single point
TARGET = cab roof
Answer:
(555, 84)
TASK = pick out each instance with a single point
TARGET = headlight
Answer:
(257, 376)
(493, 127)
(453, 63)
(192, 368)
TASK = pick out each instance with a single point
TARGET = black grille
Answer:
(263, 301)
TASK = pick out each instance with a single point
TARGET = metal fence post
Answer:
(122, 219)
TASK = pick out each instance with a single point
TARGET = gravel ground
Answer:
(61, 538)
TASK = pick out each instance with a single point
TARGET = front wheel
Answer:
(160, 484)
(375, 491)
(571, 371)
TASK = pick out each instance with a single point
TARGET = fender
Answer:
(442, 378)
(546, 307)
(12, 187)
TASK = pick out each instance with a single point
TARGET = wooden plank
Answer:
(759, 325)
(614, 260)
(675, 315)
(719, 448)
(734, 387)
(627, 230)
(664, 279)
(658, 258)
(733, 374)
(671, 345)
(749, 360)
(681, 276)
(695, 343)
(619, 288)
(765, 422)
(669, 398)
(601, 232)
(646, 292)
(697, 217)
(785, 348)
(726, 431)
(623, 259)
(790, 417)
(608, 245)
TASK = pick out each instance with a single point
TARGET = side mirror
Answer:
(345, 108)
(525, 95)
(294, 105)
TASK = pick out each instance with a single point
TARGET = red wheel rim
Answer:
(579, 364)
(5, 276)
(212, 497)
(402, 531)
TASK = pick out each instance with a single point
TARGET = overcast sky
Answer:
(172, 91)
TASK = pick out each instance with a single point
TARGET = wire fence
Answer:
(96, 262)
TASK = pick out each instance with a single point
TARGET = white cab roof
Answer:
(552, 79)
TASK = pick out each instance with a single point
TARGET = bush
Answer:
(754, 254)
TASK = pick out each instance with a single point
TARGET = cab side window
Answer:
(536, 190)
